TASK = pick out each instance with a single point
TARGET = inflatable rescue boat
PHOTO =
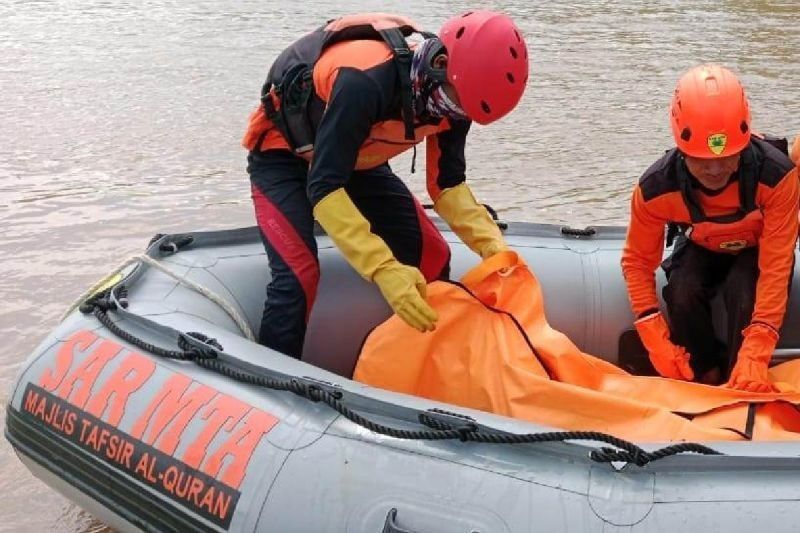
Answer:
(151, 406)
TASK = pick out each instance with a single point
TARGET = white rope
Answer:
(229, 309)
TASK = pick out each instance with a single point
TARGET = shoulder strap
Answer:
(748, 179)
(696, 213)
(781, 143)
(402, 55)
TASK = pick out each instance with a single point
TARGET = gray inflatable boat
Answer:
(150, 407)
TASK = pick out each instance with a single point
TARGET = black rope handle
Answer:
(577, 232)
(100, 304)
(170, 247)
(469, 431)
(641, 458)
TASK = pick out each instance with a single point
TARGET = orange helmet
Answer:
(710, 116)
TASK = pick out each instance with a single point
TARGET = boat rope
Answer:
(99, 305)
(445, 425)
(465, 432)
(244, 327)
(607, 455)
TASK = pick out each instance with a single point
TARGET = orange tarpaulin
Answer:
(493, 350)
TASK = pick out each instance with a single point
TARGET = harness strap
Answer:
(295, 88)
(402, 55)
(748, 182)
(696, 213)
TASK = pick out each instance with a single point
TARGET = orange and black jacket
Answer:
(356, 83)
(657, 200)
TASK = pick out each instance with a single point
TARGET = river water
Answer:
(122, 119)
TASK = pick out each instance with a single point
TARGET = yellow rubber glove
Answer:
(402, 286)
(750, 373)
(470, 221)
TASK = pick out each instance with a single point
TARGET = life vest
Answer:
(288, 96)
(734, 232)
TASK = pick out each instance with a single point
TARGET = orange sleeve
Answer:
(642, 254)
(432, 156)
(794, 151)
(776, 250)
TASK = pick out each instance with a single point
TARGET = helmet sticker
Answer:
(717, 142)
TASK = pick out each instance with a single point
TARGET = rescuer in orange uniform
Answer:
(732, 196)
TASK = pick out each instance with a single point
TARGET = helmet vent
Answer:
(510, 77)
(460, 32)
(519, 39)
(513, 52)
(468, 13)
(744, 127)
(686, 134)
(485, 107)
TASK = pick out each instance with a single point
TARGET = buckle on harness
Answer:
(292, 119)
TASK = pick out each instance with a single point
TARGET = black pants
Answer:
(694, 276)
(284, 215)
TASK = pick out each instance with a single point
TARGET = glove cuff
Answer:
(762, 330)
(470, 221)
(350, 231)
(653, 331)
(653, 321)
(759, 342)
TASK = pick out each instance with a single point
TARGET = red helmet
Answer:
(710, 116)
(487, 63)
